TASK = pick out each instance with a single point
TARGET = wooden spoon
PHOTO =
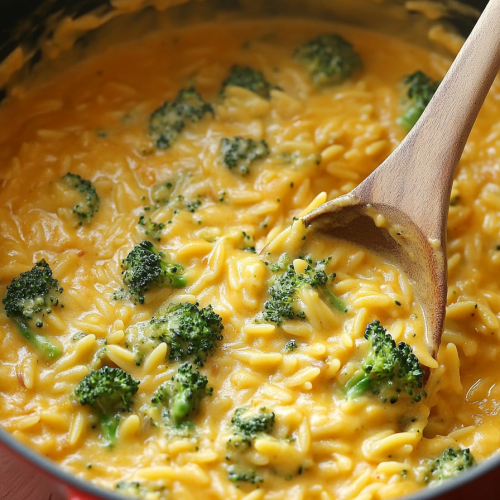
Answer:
(401, 209)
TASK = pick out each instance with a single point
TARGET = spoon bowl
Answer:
(400, 211)
(395, 237)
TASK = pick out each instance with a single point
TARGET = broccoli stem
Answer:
(334, 301)
(41, 343)
(411, 117)
(109, 426)
(359, 384)
(181, 406)
(177, 281)
(170, 271)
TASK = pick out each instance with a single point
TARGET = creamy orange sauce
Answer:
(93, 121)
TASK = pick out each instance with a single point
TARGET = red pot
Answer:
(25, 475)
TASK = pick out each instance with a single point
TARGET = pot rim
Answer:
(55, 471)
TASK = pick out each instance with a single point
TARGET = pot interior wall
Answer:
(28, 22)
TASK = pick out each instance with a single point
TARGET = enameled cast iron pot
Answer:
(26, 475)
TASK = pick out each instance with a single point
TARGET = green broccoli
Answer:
(180, 203)
(136, 489)
(290, 346)
(86, 210)
(452, 462)
(248, 78)
(248, 476)
(240, 153)
(191, 333)
(299, 160)
(283, 288)
(250, 423)
(151, 228)
(180, 397)
(78, 336)
(249, 243)
(33, 294)
(110, 392)
(144, 268)
(162, 192)
(29, 298)
(130, 489)
(169, 120)
(48, 348)
(329, 59)
(388, 368)
(168, 193)
(193, 205)
(419, 89)
(141, 340)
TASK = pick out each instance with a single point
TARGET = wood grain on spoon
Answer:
(401, 209)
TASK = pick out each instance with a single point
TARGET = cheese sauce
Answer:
(93, 121)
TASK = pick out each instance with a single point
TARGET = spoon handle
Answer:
(417, 177)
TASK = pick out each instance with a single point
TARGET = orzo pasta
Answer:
(252, 375)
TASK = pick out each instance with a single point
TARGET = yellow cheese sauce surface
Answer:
(93, 121)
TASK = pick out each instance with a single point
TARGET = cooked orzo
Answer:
(169, 358)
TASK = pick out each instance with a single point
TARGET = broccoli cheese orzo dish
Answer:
(146, 345)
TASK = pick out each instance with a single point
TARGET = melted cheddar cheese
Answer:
(93, 121)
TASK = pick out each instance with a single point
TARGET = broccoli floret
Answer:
(250, 79)
(283, 288)
(290, 346)
(250, 423)
(248, 476)
(282, 291)
(110, 392)
(151, 228)
(240, 153)
(191, 333)
(85, 210)
(329, 59)
(170, 119)
(144, 268)
(452, 462)
(28, 298)
(135, 489)
(388, 368)
(180, 397)
(33, 294)
(419, 89)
